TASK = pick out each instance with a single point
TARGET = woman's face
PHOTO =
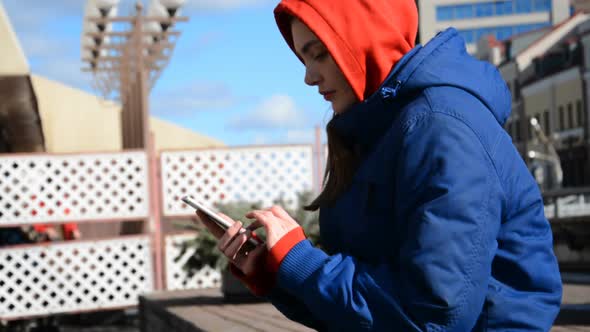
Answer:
(320, 68)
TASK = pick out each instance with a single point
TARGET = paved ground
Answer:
(571, 328)
(100, 329)
(575, 312)
(574, 317)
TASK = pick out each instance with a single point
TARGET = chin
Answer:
(339, 108)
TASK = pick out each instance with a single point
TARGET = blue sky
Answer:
(231, 77)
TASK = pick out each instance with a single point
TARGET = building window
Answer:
(444, 13)
(561, 118)
(483, 32)
(570, 116)
(542, 5)
(491, 8)
(524, 6)
(468, 35)
(464, 11)
(504, 32)
(546, 123)
(504, 7)
(484, 9)
(580, 113)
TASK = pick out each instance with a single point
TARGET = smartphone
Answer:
(215, 217)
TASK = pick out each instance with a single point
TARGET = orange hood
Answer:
(366, 38)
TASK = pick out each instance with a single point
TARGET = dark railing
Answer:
(552, 197)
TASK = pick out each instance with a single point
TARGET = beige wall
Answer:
(539, 101)
(554, 92)
(12, 58)
(76, 121)
(170, 136)
(569, 93)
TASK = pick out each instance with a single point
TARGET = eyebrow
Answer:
(308, 45)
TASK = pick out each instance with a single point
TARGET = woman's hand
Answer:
(276, 221)
(232, 243)
(212, 226)
(249, 259)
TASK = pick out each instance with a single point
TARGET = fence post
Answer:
(155, 213)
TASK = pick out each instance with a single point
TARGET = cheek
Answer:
(341, 83)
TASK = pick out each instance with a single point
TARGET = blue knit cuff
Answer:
(300, 263)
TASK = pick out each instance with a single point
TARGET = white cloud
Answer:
(198, 96)
(304, 136)
(261, 139)
(278, 111)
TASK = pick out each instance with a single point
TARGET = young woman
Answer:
(429, 218)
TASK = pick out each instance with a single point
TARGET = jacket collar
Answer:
(364, 123)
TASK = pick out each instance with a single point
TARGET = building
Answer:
(548, 72)
(38, 114)
(578, 5)
(477, 18)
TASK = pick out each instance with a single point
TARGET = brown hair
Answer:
(341, 165)
(342, 161)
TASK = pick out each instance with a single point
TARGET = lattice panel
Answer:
(52, 188)
(176, 278)
(69, 277)
(261, 174)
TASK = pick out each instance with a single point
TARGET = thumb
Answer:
(256, 224)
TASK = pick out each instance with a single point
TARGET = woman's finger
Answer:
(281, 213)
(215, 229)
(232, 250)
(256, 224)
(262, 217)
(231, 232)
(250, 264)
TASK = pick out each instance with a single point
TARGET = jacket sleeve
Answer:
(294, 309)
(448, 203)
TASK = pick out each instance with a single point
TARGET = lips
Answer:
(328, 95)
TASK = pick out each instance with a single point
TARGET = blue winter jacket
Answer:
(443, 227)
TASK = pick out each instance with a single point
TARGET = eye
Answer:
(320, 56)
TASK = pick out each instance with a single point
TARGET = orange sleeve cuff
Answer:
(281, 249)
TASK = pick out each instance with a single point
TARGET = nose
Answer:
(312, 76)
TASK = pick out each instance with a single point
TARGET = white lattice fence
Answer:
(72, 277)
(260, 174)
(59, 188)
(176, 277)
